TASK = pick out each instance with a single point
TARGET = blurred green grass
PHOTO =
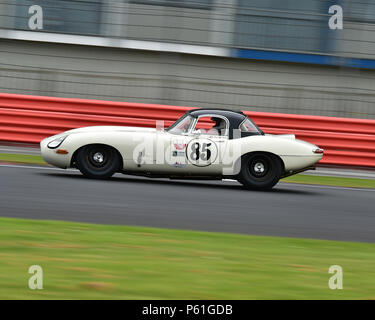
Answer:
(22, 158)
(86, 261)
(330, 181)
(299, 178)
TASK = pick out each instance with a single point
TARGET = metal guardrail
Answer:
(29, 119)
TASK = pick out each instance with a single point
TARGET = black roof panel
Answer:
(230, 114)
(235, 118)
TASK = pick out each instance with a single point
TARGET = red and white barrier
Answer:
(29, 119)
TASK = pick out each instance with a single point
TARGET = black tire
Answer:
(260, 171)
(98, 161)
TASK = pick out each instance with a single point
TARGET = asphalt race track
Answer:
(289, 210)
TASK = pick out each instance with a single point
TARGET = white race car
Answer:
(202, 144)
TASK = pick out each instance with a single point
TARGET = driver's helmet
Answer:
(219, 123)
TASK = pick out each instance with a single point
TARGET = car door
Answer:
(192, 149)
(207, 146)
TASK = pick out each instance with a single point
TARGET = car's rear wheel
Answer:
(98, 161)
(260, 171)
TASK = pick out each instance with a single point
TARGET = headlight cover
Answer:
(55, 143)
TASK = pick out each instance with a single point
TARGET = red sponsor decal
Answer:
(180, 146)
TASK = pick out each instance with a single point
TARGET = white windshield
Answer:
(182, 125)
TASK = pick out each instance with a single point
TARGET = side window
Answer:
(248, 126)
(211, 125)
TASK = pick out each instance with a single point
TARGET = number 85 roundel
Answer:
(201, 152)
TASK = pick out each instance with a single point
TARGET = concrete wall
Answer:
(168, 24)
(7, 13)
(180, 79)
(226, 23)
(356, 40)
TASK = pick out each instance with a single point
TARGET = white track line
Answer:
(31, 167)
(320, 186)
(314, 186)
(21, 151)
(340, 174)
(231, 180)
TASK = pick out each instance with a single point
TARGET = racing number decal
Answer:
(201, 152)
(197, 154)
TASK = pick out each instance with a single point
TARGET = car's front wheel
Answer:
(260, 171)
(97, 161)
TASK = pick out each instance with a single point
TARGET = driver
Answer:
(219, 125)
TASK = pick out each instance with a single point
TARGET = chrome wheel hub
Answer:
(98, 157)
(259, 167)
